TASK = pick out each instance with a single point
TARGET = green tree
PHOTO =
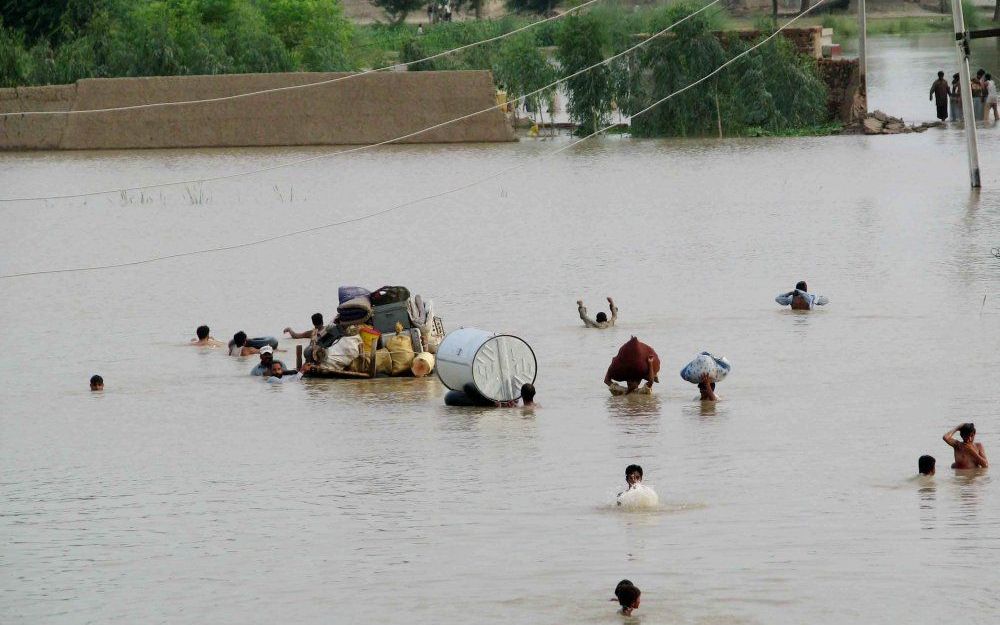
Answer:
(315, 32)
(582, 42)
(397, 10)
(521, 69)
(540, 7)
(773, 89)
(53, 20)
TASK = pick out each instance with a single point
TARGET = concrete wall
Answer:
(847, 98)
(369, 109)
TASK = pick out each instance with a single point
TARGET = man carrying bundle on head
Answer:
(634, 363)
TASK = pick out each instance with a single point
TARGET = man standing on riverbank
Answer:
(940, 91)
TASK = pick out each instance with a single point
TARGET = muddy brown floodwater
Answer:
(188, 492)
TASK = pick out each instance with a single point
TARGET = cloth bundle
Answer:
(716, 367)
(632, 363)
(347, 293)
(355, 310)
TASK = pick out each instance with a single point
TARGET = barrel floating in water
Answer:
(496, 364)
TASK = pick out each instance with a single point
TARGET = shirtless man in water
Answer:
(968, 453)
(205, 339)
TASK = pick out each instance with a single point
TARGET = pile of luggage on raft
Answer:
(385, 332)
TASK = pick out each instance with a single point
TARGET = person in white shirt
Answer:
(280, 376)
(991, 99)
(801, 299)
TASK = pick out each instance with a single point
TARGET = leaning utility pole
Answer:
(862, 50)
(965, 87)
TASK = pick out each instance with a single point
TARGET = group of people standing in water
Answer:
(272, 370)
(969, 454)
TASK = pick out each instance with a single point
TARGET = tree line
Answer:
(774, 90)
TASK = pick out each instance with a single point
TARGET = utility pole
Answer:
(965, 86)
(862, 50)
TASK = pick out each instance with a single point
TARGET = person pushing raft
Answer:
(636, 362)
(601, 322)
(801, 298)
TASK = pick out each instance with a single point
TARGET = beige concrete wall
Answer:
(363, 110)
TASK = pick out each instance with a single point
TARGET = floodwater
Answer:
(188, 492)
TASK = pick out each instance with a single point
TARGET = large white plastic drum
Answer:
(496, 364)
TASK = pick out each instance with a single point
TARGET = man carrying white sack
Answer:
(801, 298)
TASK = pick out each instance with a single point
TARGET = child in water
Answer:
(636, 495)
(628, 597)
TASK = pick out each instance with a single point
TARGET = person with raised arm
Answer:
(968, 453)
(601, 322)
(801, 299)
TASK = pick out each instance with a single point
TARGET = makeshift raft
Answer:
(381, 333)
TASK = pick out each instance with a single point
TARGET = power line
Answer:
(361, 147)
(311, 84)
(426, 197)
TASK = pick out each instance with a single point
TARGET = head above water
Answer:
(528, 393)
(801, 286)
(628, 594)
(624, 582)
(926, 465)
(980, 73)
(633, 474)
(96, 383)
(277, 370)
(240, 339)
(266, 355)
(601, 317)
(940, 74)
(201, 333)
(317, 320)
(968, 432)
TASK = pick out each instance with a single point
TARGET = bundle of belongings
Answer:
(381, 332)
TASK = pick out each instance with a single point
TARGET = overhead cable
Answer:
(439, 194)
(359, 148)
(309, 84)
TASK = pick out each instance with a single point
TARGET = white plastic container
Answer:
(423, 363)
(495, 364)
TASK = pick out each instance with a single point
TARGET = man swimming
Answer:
(278, 375)
(801, 299)
(528, 394)
(96, 383)
(968, 453)
(926, 465)
(266, 359)
(317, 329)
(239, 345)
(633, 477)
(628, 597)
(601, 321)
(204, 339)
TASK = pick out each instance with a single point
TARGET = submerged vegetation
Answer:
(772, 91)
